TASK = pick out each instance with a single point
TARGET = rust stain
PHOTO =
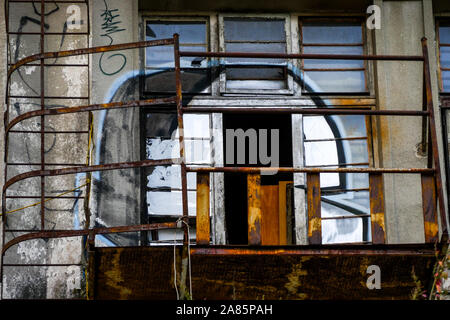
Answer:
(431, 228)
(294, 281)
(115, 279)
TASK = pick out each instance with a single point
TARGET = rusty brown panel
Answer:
(431, 226)
(256, 273)
(270, 215)
(254, 209)
(377, 212)
(314, 208)
(203, 220)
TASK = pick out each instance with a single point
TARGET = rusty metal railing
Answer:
(432, 189)
(430, 176)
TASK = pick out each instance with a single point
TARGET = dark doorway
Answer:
(236, 184)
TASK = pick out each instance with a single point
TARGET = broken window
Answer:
(159, 60)
(163, 193)
(254, 34)
(332, 37)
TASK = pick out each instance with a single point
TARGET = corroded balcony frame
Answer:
(432, 189)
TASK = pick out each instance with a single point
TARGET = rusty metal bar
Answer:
(250, 170)
(434, 142)
(77, 52)
(314, 208)
(92, 107)
(84, 232)
(331, 249)
(259, 55)
(362, 216)
(42, 146)
(203, 220)
(100, 167)
(377, 212)
(431, 227)
(179, 102)
(254, 209)
(306, 111)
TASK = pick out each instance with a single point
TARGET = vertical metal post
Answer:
(42, 81)
(179, 99)
(430, 222)
(433, 135)
(377, 210)
(254, 209)
(203, 221)
(313, 196)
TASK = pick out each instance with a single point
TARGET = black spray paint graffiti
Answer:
(110, 26)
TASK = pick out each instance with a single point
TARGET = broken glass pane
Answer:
(190, 32)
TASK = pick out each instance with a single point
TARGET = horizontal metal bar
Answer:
(332, 69)
(335, 139)
(335, 191)
(45, 197)
(47, 97)
(95, 231)
(46, 1)
(327, 249)
(259, 55)
(76, 52)
(51, 33)
(338, 165)
(100, 167)
(54, 65)
(93, 107)
(42, 265)
(346, 217)
(46, 164)
(296, 110)
(49, 132)
(247, 170)
(331, 44)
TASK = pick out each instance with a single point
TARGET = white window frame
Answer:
(287, 29)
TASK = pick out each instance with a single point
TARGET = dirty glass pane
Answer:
(310, 63)
(333, 38)
(241, 29)
(255, 35)
(317, 32)
(190, 32)
(444, 34)
(446, 80)
(159, 61)
(445, 57)
(335, 81)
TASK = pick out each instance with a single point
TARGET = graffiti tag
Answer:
(111, 25)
